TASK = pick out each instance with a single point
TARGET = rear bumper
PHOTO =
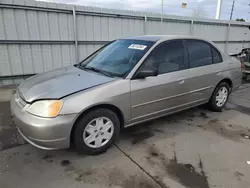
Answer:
(44, 133)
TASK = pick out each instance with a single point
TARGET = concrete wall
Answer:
(38, 36)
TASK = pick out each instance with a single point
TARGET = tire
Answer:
(87, 129)
(218, 105)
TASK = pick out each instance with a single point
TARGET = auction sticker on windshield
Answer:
(137, 46)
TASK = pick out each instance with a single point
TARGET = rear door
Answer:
(205, 67)
(155, 96)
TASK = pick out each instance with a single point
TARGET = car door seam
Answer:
(174, 96)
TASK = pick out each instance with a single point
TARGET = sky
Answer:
(206, 8)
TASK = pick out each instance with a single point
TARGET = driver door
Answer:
(165, 93)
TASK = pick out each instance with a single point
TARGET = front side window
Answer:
(199, 53)
(167, 57)
(118, 57)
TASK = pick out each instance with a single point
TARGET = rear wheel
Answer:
(96, 131)
(219, 97)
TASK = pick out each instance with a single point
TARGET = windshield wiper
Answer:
(98, 71)
(78, 66)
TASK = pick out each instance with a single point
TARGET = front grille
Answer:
(20, 102)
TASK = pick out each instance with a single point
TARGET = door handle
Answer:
(181, 80)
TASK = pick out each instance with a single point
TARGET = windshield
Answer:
(118, 57)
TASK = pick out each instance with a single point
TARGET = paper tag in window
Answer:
(137, 46)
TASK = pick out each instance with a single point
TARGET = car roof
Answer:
(160, 38)
(155, 38)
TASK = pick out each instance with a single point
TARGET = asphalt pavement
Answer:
(196, 148)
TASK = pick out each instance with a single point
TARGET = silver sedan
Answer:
(126, 82)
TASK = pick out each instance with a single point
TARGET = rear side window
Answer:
(216, 56)
(199, 53)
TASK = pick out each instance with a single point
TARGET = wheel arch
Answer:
(111, 107)
(228, 81)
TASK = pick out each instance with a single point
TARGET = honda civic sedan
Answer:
(126, 82)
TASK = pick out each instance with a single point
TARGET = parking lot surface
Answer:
(196, 148)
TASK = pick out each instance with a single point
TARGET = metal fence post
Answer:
(191, 27)
(145, 24)
(75, 35)
(227, 37)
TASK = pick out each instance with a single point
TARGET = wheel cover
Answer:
(221, 96)
(98, 132)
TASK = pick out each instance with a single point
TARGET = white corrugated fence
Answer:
(39, 36)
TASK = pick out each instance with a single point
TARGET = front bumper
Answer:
(245, 71)
(44, 133)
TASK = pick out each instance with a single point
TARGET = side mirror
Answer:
(146, 72)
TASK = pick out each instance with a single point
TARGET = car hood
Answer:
(59, 83)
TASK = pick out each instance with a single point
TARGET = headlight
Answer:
(46, 108)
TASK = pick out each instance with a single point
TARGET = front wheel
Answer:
(96, 131)
(220, 97)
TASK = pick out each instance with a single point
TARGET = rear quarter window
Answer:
(217, 58)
